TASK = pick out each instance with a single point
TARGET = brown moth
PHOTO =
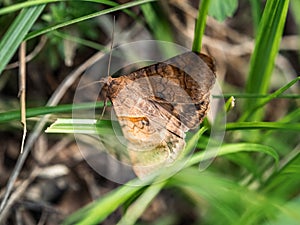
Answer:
(156, 105)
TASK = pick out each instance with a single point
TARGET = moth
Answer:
(157, 104)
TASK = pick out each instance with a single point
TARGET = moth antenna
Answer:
(109, 63)
(111, 47)
(104, 108)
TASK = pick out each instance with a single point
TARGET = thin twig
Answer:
(22, 90)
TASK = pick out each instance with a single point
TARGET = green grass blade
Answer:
(256, 13)
(234, 148)
(26, 4)
(31, 112)
(285, 181)
(270, 97)
(136, 209)
(81, 126)
(266, 48)
(293, 116)
(254, 96)
(263, 125)
(99, 210)
(200, 25)
(16, 33)
(103, 128)
(86, 17)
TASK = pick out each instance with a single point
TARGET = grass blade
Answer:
(26, 4)
(200, 25)
(136, 209)
(266, 48)
(31, 112)
(263, 125)
(264, 101)
(16, 33)
(86, 17)
(235, 148)
(256, 13)
(99, 210)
